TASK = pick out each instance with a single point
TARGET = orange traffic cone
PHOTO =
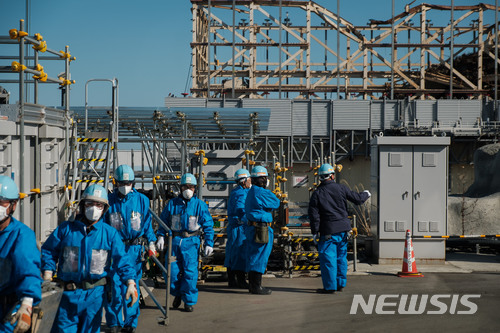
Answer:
(409, 264)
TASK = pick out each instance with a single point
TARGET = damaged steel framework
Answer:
(264, 53)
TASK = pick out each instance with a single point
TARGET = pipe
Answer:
(392, 53)
(208, 47)
(234, 51)
(169, 259)
(200, 177)
(452, 51)
(496, 60)
(21, 120)
(355, 246)
(338, 49)
(150, 293)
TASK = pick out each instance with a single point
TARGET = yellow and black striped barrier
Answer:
(90, 181)
(92, 139)
(213, 268)
(302, 239)
(306, 268)
(305, 254)
(92, 159)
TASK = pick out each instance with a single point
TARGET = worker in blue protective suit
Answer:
(129, 214)
(82, 251)
(235, 259)
(20, 281)
(330, 223)
(259, 205)
(186, 216)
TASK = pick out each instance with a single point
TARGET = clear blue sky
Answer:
(144, 44)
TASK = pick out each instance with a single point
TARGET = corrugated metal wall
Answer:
(292, 117)
(351, 115)
(300, 118)
(425, 113)
(321, 119)
(280, 121)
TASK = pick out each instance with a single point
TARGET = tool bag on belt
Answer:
(261, 232)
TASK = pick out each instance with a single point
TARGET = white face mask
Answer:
(93, 213)
(3, 213)
(125, 189)
(267, 184)
(187, 194)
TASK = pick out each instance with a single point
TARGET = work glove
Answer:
(353, 233)
(368, 192)
(152, 249)
(47, 275)
(160, 244)
(131, 292)
(208, 250)
(315, 239)
(23, 316)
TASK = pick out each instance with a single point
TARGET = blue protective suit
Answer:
(333, 260)
(131, 218)
(186, 216)
(235, 258)
(82, 254)
(19, 267)
(329, 217)
(259, 204)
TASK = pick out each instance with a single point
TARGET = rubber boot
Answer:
(177, 302)
(240, 280)
(255, 279)
(231, 278)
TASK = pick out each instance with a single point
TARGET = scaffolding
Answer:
(269, 52)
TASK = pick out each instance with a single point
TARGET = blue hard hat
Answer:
(95, 193)
(8, 189)
(241, 173)
(124, 173)
(188, 179)
(259, 171)
(326, 169)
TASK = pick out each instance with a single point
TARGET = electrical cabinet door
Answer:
(429, 190)
(395, 192)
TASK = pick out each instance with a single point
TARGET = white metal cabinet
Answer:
(409, 180)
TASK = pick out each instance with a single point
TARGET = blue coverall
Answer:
(83, 254)
(186, 216)
(19, 267)
(328, 216)
(236, 240)
(258, 207)
(131, 218)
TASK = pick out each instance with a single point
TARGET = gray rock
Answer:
(486, 171)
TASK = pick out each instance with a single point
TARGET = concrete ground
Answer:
(294, 306)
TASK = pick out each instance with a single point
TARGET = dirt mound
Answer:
(478, 210)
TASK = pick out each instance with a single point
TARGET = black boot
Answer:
(240, 280)
(177, 302)
(255, 279)
(231, 278)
